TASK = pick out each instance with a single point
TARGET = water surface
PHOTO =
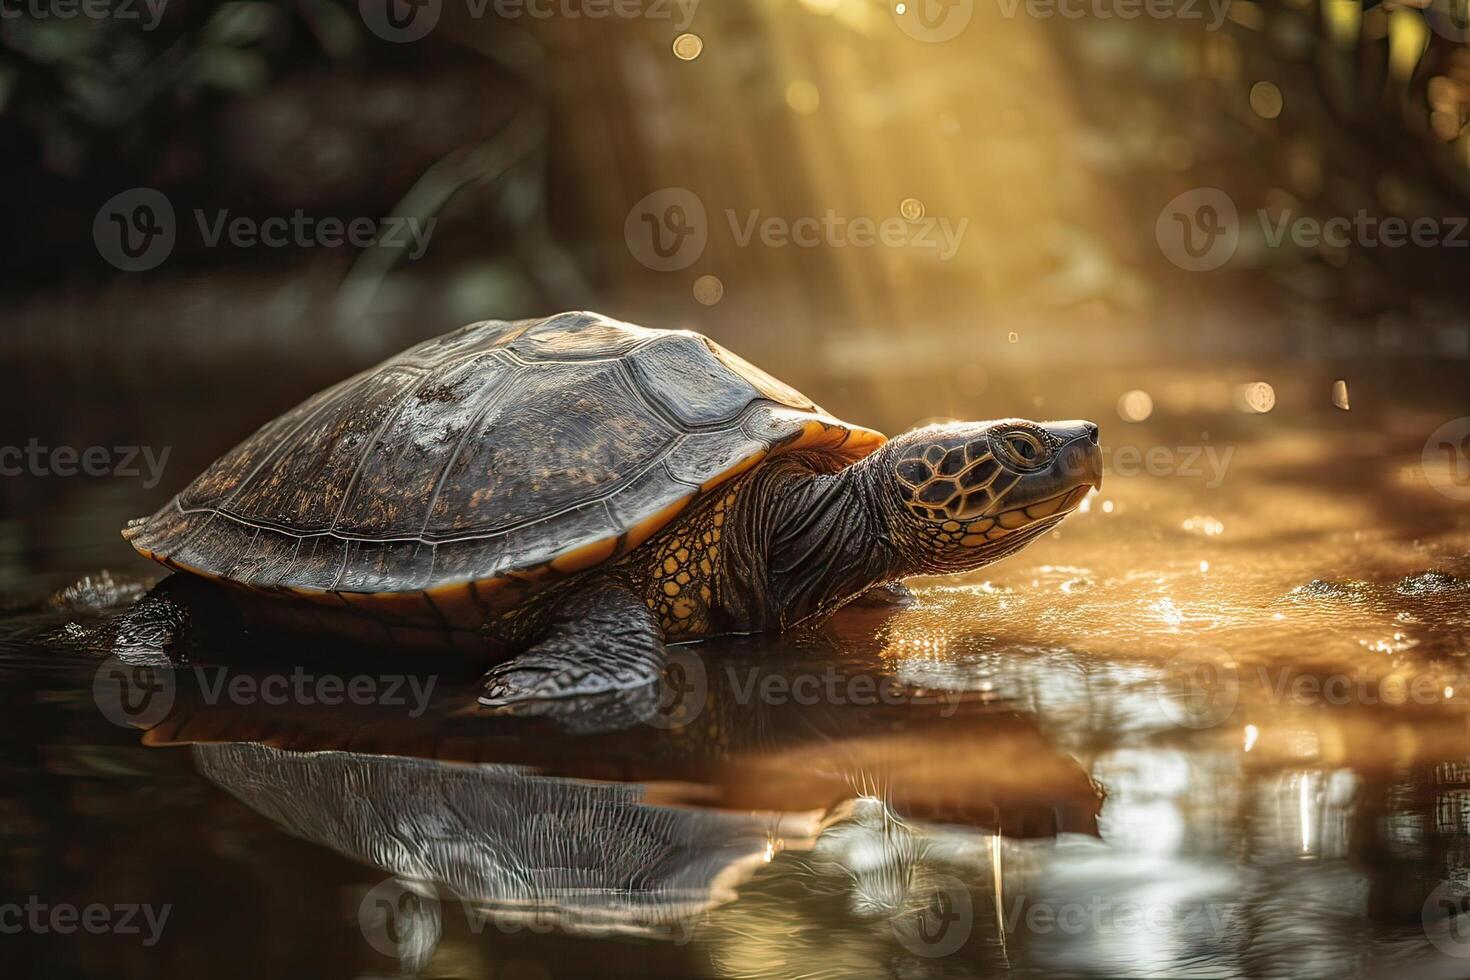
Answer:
(1214, 726)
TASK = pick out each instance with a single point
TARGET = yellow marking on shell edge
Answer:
(733, 471)
(851, 442)
(650, 525)
(586, 556)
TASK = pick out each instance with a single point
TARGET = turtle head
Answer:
(969, 493)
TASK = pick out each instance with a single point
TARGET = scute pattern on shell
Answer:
(490, 452)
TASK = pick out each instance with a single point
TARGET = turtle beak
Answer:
(1080, 457)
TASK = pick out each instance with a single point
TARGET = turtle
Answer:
(567, 497)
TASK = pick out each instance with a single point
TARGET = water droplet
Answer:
(911, 208)
(1251, 734)
(1340, 394)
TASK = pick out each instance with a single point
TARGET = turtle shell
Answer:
(492, 458)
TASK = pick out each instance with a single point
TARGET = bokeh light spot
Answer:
(1135, 406)
(1255, 398)
(709, 290)
(687, 47)
(1266, 100)
(802, 96)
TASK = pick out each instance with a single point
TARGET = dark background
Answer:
(529, 139)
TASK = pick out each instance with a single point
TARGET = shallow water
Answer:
(1214, 726)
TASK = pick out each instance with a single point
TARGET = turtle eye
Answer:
(1021, 449)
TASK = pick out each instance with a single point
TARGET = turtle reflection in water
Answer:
(567, 496)
(521, 848)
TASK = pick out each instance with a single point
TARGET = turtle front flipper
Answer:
(599, 660)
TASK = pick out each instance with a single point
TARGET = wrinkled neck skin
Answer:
(828, 538)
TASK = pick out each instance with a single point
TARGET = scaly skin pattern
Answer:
(795, 539)
(680, 571)
(706, 574)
